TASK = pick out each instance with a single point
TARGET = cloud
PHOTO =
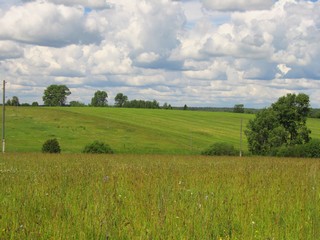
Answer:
(282, 35)
(199, 53)
(237, 5)
(46, 24)
(95, 4)
(10, 50)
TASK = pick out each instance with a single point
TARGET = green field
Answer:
(125, 130)
(172, 193)
(69, 196)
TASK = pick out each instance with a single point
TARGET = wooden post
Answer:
(3, 116)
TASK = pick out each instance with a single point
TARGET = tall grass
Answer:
(158, 197)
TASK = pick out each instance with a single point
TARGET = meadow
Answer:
(78, 196)
(156, 186)
(125, 130)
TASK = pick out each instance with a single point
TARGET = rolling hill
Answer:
(125, 130)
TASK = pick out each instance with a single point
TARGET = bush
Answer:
(307, 150)
(312, 149)
(286, 151)
(220, 149)
(97, 147)
(51, 146)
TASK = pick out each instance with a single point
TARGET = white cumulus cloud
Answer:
(194, 52)
(237, 5)
(47, 24)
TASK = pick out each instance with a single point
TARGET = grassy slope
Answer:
(126, 130)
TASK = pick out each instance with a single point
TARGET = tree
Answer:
(165, 106)
(99, 99)
(185, 107)
(35, 104)
(56, 95)
(14, 101)
(142, 104)
(282, 124)
(76, 104)
(120, 99)
(292, 111)
(238, 108)
(25, 104)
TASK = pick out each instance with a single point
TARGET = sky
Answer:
(203, 53)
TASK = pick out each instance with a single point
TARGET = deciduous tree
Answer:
(99, 99)
(120, 99)
(238, 108)
(282, 124)
(56, 95)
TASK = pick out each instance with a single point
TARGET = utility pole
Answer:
(3, 116)
(241, 138)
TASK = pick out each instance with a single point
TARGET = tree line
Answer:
(56, 95)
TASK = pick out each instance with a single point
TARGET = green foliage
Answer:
(97, 147)
(120, 100)
(220, 149)
(238, 108)
(76, 104)
(307, 150)
(35, 104)
(284, 123)
(185, 107)
(141, 104)
(56, 95)
(25, 104)
(264, 132)
(312, 149)
(99, 99)
(314, 113)
(292, 111)
(166, 106)
(13, 102)
(51, 146)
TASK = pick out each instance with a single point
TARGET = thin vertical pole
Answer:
(3, 117)
(241, 138)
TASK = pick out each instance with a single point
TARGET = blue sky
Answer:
(195, 52)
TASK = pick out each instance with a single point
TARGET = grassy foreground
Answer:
(158, 197)
(125, 130)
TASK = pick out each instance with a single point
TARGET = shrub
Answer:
(220, 149)
(51, 146)
(97, 147)
(308, 150)
(286, 151)
(312, 149)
